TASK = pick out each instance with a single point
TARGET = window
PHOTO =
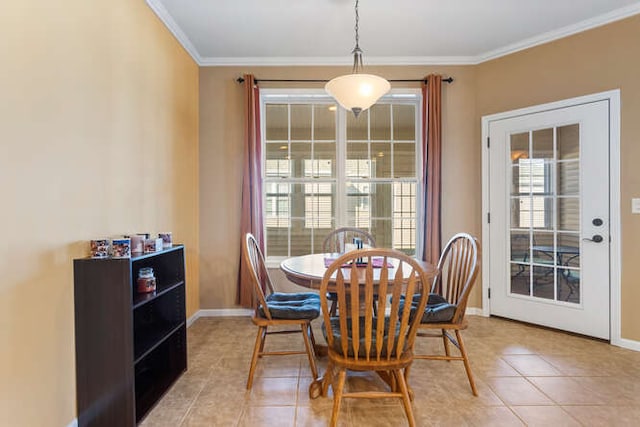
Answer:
(323, 169)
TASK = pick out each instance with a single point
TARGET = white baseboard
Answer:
(626, 343)
(219, 312)
(474, 311)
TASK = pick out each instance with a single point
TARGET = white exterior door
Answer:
(549, 218)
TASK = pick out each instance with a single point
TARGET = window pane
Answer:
(382, 231)
(301, 122)
(277, 241)
(381, 200)
(404, 123)
(359, 204)
(324, 122)
(300, 238)
(404, 160)
(319, 205)
(277, 122)
(277, 160)
(380, 122)
(357, 128)
(325, 156)
(300, 153)
(357, 163)
(381, 159)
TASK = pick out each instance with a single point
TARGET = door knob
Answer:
(596, 238)
(597, 222)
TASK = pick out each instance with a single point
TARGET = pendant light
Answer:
(356, 91)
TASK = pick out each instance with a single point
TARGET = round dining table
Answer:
(308, 270)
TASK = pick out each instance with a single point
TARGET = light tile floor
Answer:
(525, 376)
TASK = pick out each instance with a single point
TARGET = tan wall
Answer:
(98, 137)
(221, 151)
(601, 59)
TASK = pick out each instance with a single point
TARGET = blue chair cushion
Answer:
(438, 310)
(303, 305)
(337, 337)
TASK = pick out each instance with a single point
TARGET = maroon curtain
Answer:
(432, 149)
(251, 220)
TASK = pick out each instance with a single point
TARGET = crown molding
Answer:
(333, 61)
(547, 37)
(159, 9)
(587, 24)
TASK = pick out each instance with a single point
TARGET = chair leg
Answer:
(406, 373)
(256, 351)
(337, 396)
(467, 366)
(445, 340)
(307, 345)
(327, 379)
(313, 338)
(406, 400)
(264, 339)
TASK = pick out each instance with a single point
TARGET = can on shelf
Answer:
(146, 280)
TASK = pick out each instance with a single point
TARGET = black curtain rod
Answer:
(241, 80)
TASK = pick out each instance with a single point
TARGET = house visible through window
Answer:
(323, 169)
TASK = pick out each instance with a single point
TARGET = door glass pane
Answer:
(568, 178)
(569, 214)
(519, 146)
(543, 282)
(542, 144)
(520, 280)
(569, 285)
(568, 142)
(520, 246)
(545, 213)
(543, 249)
(569, 249)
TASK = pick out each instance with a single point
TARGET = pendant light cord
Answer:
(357, 52)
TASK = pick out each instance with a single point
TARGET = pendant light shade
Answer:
(356, 91)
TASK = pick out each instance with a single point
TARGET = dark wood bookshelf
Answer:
(130, 347)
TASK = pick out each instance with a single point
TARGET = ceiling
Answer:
(402, 32)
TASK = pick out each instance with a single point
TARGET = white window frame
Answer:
(397, 96)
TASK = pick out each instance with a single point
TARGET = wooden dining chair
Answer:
(445, 311)
(336, 242)
(278, 309)
(360, 341)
